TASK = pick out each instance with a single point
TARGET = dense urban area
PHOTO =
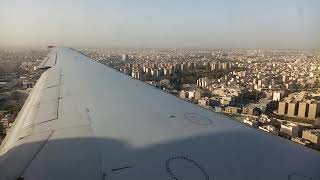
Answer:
(18, 75)
(276, 91)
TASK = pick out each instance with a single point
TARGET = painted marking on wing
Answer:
(198, 119)
(177, 161)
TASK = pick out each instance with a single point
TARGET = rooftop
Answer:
(314, 131)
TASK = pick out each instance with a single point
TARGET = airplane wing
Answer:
(84, 120)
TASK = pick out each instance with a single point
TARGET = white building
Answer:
(290, 129)
(191, 94)
(269, 129)
(182, 94)
(312, 135)
(203, 102)
(276, 96)
(251, 122)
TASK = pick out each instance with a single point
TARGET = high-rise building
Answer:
(136, 73)
(276, 96)
(282, 108)
(313, 110)
(302, 109)
(259, 82)
(224, 65)
(165, 71)
(297, 106)
(292, 109)
(183, 67)
(213, 66)
(284, 78)
(203, 82)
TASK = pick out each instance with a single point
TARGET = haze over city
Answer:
(164, 24)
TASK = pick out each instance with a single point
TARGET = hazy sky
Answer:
(161, 23)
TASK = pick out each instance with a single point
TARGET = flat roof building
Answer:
(290, 129)
(312, 135)
(282, 108)
(308, 109)
(302, 109)
(313, 110)
(292, 109)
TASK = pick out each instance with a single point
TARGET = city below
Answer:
(276, 91)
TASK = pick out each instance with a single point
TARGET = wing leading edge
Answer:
(84, 120)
